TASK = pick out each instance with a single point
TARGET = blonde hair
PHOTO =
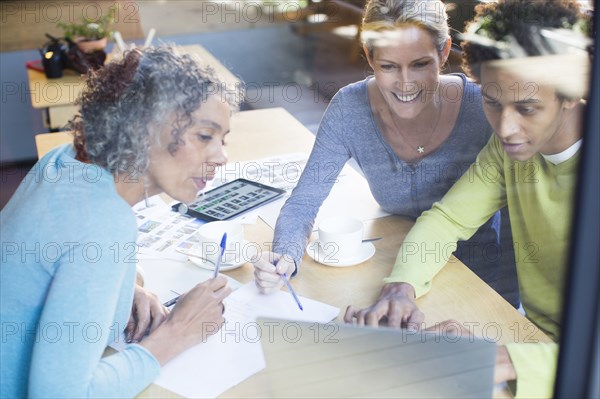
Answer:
(383, 16)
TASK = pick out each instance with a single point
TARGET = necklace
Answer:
(420, 148)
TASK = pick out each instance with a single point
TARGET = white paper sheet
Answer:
(281, 305)
(234, 353)
(227, 358)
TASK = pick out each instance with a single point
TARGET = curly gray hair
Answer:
(125, 102)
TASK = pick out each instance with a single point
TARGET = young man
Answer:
(530, 164)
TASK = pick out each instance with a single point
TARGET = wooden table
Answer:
(457, 293)
(57, 96)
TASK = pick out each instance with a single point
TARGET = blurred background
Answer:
(270, 45)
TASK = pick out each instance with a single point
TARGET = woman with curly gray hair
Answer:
(152, 122)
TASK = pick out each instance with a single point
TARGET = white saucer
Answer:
(225, 266)
(208, 265)
(367, 250)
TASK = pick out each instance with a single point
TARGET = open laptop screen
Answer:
(331, 360)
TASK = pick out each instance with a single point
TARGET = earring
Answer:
(146, 201)
(146, 198)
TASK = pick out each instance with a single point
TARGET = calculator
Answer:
(230, 200)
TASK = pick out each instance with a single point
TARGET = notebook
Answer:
(342, 361)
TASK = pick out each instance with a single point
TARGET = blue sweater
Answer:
(348, 130)
(67, 277)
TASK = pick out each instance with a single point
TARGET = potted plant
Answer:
(89, 35)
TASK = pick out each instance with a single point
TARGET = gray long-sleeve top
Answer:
(348, 130)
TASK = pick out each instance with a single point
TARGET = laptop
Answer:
(310, 360)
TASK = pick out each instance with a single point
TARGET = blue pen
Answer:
(284, 277)
(223, 244)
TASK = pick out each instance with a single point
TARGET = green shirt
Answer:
(539, 197)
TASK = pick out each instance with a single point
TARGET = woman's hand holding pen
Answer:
(268, 270)
(198, 314)
(396, 302)
(200, 307)
(147, 313)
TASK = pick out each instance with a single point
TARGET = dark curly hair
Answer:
(125, 103)
(498, 20)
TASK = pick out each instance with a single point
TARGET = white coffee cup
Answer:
(340, 238)
(209, 239)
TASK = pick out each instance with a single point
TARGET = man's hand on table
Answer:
(396, 302)
(268, 270)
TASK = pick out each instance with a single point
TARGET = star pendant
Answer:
(420, 149)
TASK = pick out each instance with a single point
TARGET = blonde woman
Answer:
(412, 131)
